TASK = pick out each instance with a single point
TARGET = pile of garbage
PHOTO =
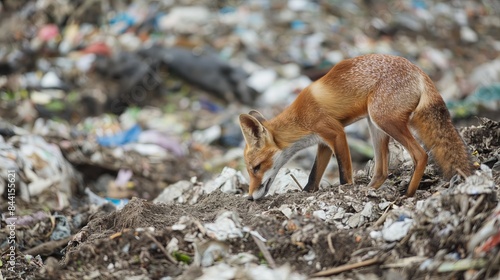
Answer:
(151, 89)
(198, 229)
(103, 101)
(74, 58)
(37, 168)
(209, 228)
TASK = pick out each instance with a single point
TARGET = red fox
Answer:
(391, 92)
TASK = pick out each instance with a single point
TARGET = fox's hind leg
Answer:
(398, 129)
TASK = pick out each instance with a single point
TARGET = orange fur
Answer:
(394, 94)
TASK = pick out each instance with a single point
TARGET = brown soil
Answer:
(132, 241)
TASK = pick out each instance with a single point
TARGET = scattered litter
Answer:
(229, 181)
(227, 225)
(125, 103)
(395, 231)
(39, 168)
(284, 182)
(121, 138)
(62, 228)
(173, 192)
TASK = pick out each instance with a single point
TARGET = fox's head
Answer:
(261, 154)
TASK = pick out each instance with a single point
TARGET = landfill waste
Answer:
(229, 181)
(35, 170)
(313, 227)
(119, 123)
(204, 70)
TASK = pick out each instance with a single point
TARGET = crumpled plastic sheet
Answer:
(224, 271)
(284, 181)
(38, 166)
(488, 236)
(226, 225)
(479, 183)
(228, 181)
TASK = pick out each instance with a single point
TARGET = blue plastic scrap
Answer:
(121, 138)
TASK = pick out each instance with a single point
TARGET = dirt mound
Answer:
(448, 230)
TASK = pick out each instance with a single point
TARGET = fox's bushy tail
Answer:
(432, 122)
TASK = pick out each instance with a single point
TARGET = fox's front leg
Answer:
(322, 158)
(336, 139)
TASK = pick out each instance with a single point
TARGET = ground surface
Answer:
(297, 233)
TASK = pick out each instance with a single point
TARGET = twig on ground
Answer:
(479, 202)
(461, 265)
(52, 226)
(296, 181)
(48, 248)
(330, 243)
(404, 262)
(346, 267)
(264, 251)
(382, 218)
(161, 247)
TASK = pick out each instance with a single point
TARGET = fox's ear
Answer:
(253, 130)
(257, 115)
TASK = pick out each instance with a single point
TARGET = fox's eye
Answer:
(256, 168)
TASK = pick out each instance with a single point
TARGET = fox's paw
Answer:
(310, 188)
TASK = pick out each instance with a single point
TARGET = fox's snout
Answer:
(261, 190)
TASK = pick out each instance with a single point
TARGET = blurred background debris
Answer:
(102, 101)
